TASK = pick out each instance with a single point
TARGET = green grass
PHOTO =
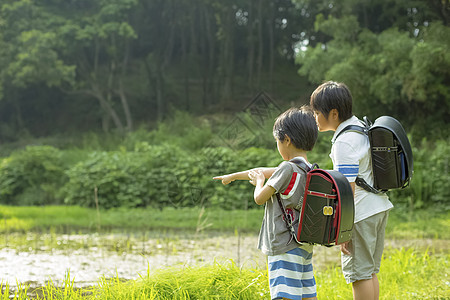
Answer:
(75, 218)
(402, 225)
(405, 274)
(412, 273)
(418, 224)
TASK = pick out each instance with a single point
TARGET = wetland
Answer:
(45, 253)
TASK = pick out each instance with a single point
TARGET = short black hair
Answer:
(332, 95)
(299, 125)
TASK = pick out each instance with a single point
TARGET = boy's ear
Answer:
(287, 139)
(334, 114)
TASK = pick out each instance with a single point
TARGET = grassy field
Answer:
(75, 218)
(402, 225)
(406, 273)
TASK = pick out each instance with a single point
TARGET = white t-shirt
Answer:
(350, 154)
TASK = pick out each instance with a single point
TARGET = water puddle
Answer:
(35, 259)
(90, 257)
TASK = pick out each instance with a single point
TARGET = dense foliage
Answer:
(32, 176)
(71, 66)
(71, 69)
(162, 176)
(161, 168)
(388, 73)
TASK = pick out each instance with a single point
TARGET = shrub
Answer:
(162, 176)
(429, 184)
(167, 172)
(113, 178)
(32, 176)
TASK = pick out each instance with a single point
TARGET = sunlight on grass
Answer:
(15, 224)
(405, 274)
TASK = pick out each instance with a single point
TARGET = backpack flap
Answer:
(346, 207)
(328, 211)
(392, 158)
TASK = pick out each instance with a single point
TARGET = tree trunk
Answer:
(270, 29)
(260, 42)
(251, 45)
(125, 106)
(105, 104)
(156, 80)
(160, 92)
(185, 60)
(121, 91)
(227, 60)
(208, 82)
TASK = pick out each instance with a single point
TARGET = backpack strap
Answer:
(363, 130)
(354, 128)
(287, 218)
(362, 183)
(302, 164)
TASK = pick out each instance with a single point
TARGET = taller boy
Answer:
(350, 153)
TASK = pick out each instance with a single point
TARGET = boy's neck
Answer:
(295, 154)
(335, 124)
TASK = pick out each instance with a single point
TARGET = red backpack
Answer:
(327, 212)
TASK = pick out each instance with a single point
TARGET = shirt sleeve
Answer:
(281, 177)
(346, 160)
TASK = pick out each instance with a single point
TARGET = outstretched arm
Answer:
(244, 175)
(262, 192)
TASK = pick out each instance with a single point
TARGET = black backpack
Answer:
(392, 159)
(327, 212)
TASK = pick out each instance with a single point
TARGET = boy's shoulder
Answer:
(352, 136)
(284, 166)
(287, 178)
(287, 168)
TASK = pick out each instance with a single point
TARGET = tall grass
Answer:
(405, 274)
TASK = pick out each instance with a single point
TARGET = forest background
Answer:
(139, 103)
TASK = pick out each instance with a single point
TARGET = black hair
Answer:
(332, 95)
(299, 125)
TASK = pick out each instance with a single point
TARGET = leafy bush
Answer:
(159, 169)
(32, 176)
(162, 176)
(113, 179)
(429, 185)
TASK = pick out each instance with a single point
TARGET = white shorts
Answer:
(366, 247)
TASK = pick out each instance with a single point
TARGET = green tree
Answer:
(394, 72)
(29, 54)
(98, 41)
